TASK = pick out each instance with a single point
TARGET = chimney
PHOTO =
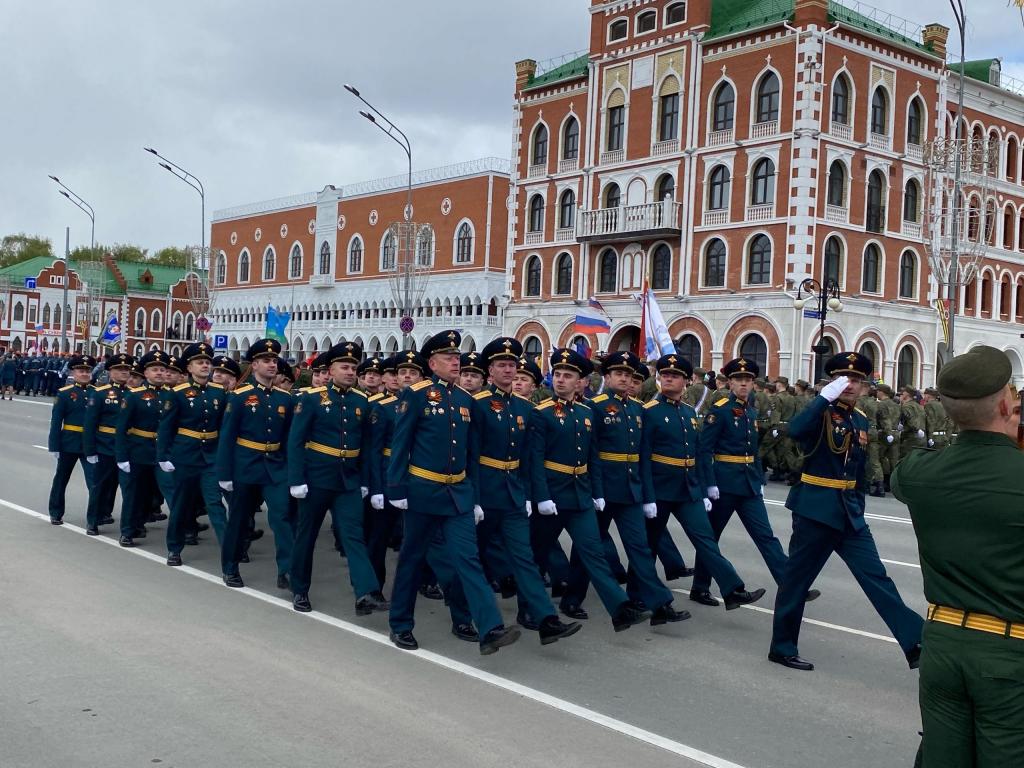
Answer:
(934, 37)
(525, 70)
(807, 12)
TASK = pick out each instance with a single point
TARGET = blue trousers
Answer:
(586, 550)
(347, 513)
(65, 466)
(194, 488)
(665, 549)
(509, 531)
(103, 491)
(754, 516)
(809, 549)
(166, 482)
(697, 526)
(245, 502)
(138, 488)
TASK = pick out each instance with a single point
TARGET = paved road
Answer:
(109, 653)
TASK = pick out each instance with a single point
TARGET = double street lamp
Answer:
(822, 298)
(180, 173)
(87, 209)
(65, 190)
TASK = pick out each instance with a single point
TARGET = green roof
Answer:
(981, 69)
(163, 276)
(568, 71)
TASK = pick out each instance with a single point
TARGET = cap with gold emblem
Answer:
(849, 364)
(530, 368)
(502, 348)
(674, 364)
(443, 343)
(981, 372)
(571, 360)
(120, 360)
(471, 362)
(389, 364)
(227, 365)
(410, 359)
(374, 364)
(82, 361)
(284, 369)
(263, 348)
(621, 361)
(175, 364)
(346, 352)
(321, 362)
(640, 371)
(741, 366)
(199, 351)
(154, 357)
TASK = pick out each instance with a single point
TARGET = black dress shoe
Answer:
(173, 559)
(812, 594)
(704, 597)
(621, 577)
(156, 517)
(108, 520)
(497, 638)
(404, 640)
(667, 614)
(627, 616)
(739, 597)
(126, 541)
(793, 662)
(374, 601)
(465, 632)
(914, 657)
(256, 535)
(140, 533)
(574, 612)
(507, 587)
(558, 588)
(192, 539)
(244, 558)
(56, 521)
(200, 527)
(301, 603)
(432, 592)
(92, 530)
(682, 573)
(526, 621)
(233, 580)
(282, 581)
(552, 629)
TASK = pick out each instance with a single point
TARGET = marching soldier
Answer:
(369, 375)
(135, 447)
(67, 422)
(33, 372)
(428, 464)
(226, 372)
(251, 463)
(912, 420)
(528, 379)
(695, 390)
(828, 515)
(674, 483)
(563, 462)
(888, 419)
(497, 440)
(471, 372)
(285, 378)
(328, 468)
(711, 397)
(187, 447)
(101, 413)
(777, 452)
(936, 422)
(868, 405)
(965, 505)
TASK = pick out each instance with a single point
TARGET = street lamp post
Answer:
(953, 278)
(825, 298)
(84, 206)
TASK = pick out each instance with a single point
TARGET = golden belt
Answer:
(828, 482)
(106, 430)
(142, 433)
(338, 453)
(71, 428)
(508, 466)
(979, 621)
(728, 458)
(436, 477)
(565, 469)
(197, 435)
(387, 451)
(672, 461)
(265, 447)
(631, 457)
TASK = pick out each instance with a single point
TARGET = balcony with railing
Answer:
(629, 222)
(565, 234)
(537, 171)
(662, 148)
(765, 129)
(915, 153)
(612, 156)
(717, 217)
(569, 165)
(321, 281)
(837, 214)
(874, 220)
(880, 141)
(912, 229)
(534, 238)
(760, 212)
(720, 138)
(841, 131)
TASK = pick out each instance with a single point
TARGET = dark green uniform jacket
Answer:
(496, 449)
(101, 412)
(730, 433)
(67, 420)
(329, 439)
(668, 453)
(253, 432)
(135, 441)
(563, 454)
(189, 429)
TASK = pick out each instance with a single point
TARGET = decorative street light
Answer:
(825, 298)
(84, 206)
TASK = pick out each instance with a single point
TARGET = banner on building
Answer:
(277, 322)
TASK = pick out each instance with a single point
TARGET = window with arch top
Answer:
(646, 22)
(675, 13)
(908, 275)
(571, 139)
(533, 276)
(616, 127)
(875, 214)
(269, 264)
(618, 30)
(723, 111)
(355, 255)
(871, 269)
(912, 201)
(536, 214)
(714, 264)
(325, 258)
(762, 189)
(666, 188)
(879, 112)
(870, 351)
(836, 193)
(612, 196)
(688, 346)
(661, 268)
(759, 261)
(563, 274)
(906, 367)
(388, 255)
(718, 189)
(607, 272)
(243, 267)
(464, 244)
(915, 122)
(752, 347)
(833, 261)
(540, 145)
(668, 110)
(841, 101)
(295, 269)
(768, 98)
(567, 209)
(222, 269)
(532, 349)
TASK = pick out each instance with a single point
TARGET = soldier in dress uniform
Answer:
(776, 450)
(428, 464)
(888, 419)
(251, 462)
(226, 372)
(528, 379)
(965, 505)
(165, 481)
(497, 441)
(101, 413)
(828, 514)
(912, 420)
(67, 423)
(472, 375)
(136, 378)
(187, 447)
(135, 447)
(936, 421)
(369, 375)
(33, 372)
(285, 378)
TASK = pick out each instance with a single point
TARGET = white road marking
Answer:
(40, 447)
(869, 515)
(48, 402)
(612, 724)
(900, 562)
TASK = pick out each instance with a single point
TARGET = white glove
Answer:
(920, 434)
(364, 491)
(889, 439)
(547, 508)
(93, 459)
(299, 491)
(931, 443)
(834, 389)
(707, 505)
(713, 493)
(227, 485)
(899, 427)
(125, 467)
(775, 433)
(599, 504)
(529, 509)
(650, 511)
(166, 466)
(377, 501)
(400, 503)
(478, 514)
(763, 489)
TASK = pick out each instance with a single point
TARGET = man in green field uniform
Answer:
(779, 453)
(888, 420)
(868, 404)
(912, 418)
(935, 419)
(965, 503)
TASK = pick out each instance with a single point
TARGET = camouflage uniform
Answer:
(888, 419)
(937, 423)
(868, 405)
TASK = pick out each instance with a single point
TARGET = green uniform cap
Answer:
(979, 373)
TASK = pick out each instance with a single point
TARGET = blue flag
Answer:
(276, 323)
(111, 332)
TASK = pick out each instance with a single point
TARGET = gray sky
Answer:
(247, 95)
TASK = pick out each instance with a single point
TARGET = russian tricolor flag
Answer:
(592, 318)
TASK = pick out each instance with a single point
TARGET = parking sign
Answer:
(220, 342)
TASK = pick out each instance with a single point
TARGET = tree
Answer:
(22, 247)
(172, 257)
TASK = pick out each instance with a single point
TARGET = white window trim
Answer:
(844, 257)
(648, 272)
(216, 267)
(156, 321)
(881, 267)
(526, 276)
(890, 116)
(554, 272)
(710, 163)
(597, 271)
(380, 255)
(603, 138)
(138, 327)
(533, 134)
(746, 259)
(612, 23)
(710, 120)
(917, 278)
(754, 156)
(473, 242)
(924, 118)
(851, 106)
(570, 115)
(686, 14)
(528, 215)
(238, 269)
(701, 286)
(348, 255)
(656, 106)
(753, 96)
(263, 265)
(636, 23)
(302, 261)
(751, 332)
(846, 180)
(561, 190)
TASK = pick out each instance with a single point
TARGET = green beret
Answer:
(931, 391)
(886, 389)
(699, 371)
(782, 380)
(802, 383)
(981, 372)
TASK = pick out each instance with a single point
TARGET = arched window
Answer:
(222, 269)
(668, 109)
(836, 184)
(190, 331)
(269, 264)
(661, 268)
(540, 145)
(533, 276)
(388, 259)
(666, 188)
(880, 112)
(714, 264)
(571, 139)
(140, 322)
(295, 268)
(325, 259)
(724, 108)
(646, 22)
(906, 367)
(156, 321)
(567, 209)
(752, 347)
(607, 274)
(870, 270)
(243, 267)
(912, 201)
(688, 346)
(536, 214)
(833, 266)
(616, 127)
(841, 101)
(908, 275)
(618, 30)
(870, 351)
(532, 349)
(759, 261)
(46, 313)
(1011, 159)
(718, 189)
(675, 13)
(612, 196)
(19, 312)
(355, 255)
(425, 249)
(563, 274)
(768, 98)
(875, 215)
(915, 122)
(57, 315)
(762, 189)
(464, 244)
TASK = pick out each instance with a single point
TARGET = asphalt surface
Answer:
(111, 658)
